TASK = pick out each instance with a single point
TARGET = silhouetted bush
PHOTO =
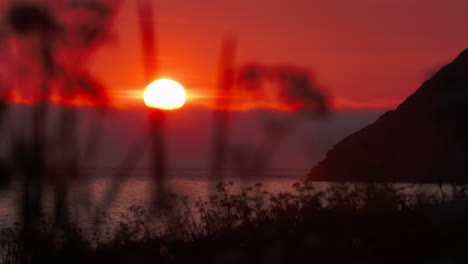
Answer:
(354, 223)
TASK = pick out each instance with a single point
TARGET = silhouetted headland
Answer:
(424, 140)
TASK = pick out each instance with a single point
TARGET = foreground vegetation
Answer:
(352, 223)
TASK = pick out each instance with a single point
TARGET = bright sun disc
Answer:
(164, 94)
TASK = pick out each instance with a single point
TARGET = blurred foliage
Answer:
(44, 45)
(344, 223)
(354, 223)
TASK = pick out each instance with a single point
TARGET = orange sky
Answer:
(371, 54)
(366, 54)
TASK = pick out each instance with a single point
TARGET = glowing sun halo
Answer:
(164, 94)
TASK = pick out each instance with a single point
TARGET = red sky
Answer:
(367, 54)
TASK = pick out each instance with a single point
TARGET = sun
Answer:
(164, 94)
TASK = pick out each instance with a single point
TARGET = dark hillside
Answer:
(424, 140)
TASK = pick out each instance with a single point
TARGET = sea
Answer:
(87, 196)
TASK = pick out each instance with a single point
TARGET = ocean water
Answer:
(87, 195)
